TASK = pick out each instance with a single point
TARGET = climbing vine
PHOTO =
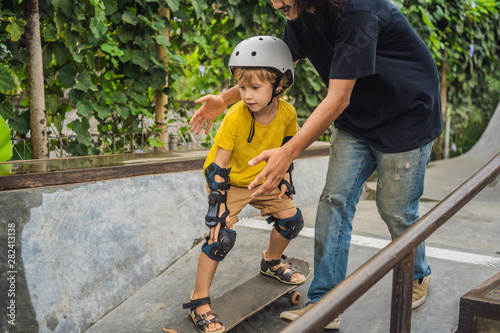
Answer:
(464, 39)
(100, 58)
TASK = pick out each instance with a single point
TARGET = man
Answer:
(383, 96)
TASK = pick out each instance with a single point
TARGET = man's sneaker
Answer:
(292, 315)
(420, 291)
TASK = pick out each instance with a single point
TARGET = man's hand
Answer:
(278, 160)
(214, 106)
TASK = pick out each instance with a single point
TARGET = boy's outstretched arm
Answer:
(214, 106)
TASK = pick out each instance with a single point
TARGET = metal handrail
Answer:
(399, 255)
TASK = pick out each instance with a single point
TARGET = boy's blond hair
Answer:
(245, 75)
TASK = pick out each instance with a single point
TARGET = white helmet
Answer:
(264, 51)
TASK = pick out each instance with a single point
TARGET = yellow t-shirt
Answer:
(233, 134)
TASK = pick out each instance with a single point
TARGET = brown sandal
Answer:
(200, 320)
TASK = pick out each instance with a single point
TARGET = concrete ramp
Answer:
(489, 143)
(444, 176)
(77, 251)
(114, 255)
(82, 249)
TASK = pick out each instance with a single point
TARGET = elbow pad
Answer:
(216, 198)
(289, 185)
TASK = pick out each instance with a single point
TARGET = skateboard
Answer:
(248, 298)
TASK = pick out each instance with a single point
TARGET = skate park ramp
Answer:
(462, 254)
(79, 249)
(119, 255)
(489, 143)
(444, 176)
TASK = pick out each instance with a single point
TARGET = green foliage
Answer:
(206, 45)
(101, 58)
(6, 81)
(101, 55)
(469, 122)
(464, 39)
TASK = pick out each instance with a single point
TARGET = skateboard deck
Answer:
(246, 299)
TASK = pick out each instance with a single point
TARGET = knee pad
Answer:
(290, 227)
(218, 250)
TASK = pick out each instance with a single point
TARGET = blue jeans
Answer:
(399, 187)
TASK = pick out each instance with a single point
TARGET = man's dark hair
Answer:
(323, 9)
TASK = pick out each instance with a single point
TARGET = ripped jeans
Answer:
(399, 187)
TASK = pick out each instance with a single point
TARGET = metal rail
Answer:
(399, 255)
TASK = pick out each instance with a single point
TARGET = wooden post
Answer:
(161, 98)
(444, 108)
(34, 71)
(402, 287)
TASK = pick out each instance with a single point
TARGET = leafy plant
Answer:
(464, 39)
(101, 59)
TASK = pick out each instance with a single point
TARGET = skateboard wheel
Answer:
(294, 297)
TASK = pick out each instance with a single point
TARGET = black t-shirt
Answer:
(395, 105)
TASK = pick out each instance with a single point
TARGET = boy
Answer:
(263, 68)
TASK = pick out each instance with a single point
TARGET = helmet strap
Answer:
(252, 128)
(275, 93)
(275, 87)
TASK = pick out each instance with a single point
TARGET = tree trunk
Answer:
(443, 88)
(161, 98)
(447, 130)
(35, 87)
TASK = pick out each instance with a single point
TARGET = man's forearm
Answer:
(231, 96)
(317, 123)
(338, 98)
